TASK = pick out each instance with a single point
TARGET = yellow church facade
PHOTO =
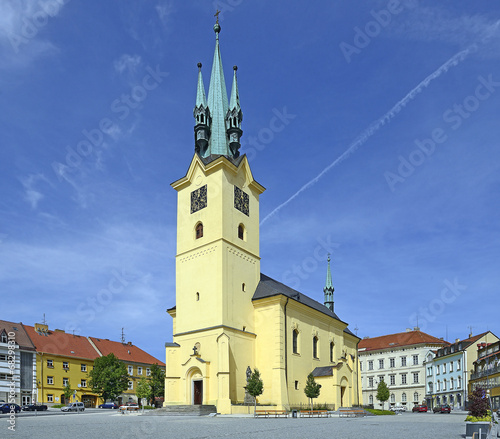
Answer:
(229, 317)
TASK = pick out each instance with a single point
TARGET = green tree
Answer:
(108, 378)
(312, 388)
(67, 392)
(143, 389)
(382, 392)
(255, 386)
(157, 382)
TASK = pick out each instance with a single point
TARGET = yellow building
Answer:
(228, 316)
(61, 359)
(487, 372)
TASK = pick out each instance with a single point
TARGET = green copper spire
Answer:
(328, 290)
(201, 98)
(234, 103)
(217, 103)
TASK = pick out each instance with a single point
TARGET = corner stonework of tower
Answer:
(217, 129)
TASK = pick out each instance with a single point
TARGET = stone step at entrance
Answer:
(183, 410)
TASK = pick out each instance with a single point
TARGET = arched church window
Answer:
(332, 349)
(371, 399)
(197, 296)
(415, 397)
(241, 231)
(243, 287)
(202, 119)
(295, 339)
(199, 230)
(393, 398)
(403, 397)
(315, 347)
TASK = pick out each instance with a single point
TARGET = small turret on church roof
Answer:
(218, 124)
(328, 290)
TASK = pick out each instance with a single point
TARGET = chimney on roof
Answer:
(129, 343)
(470, 334)
(457, 340)
(408, 329)
(41, 328)
(416, 328)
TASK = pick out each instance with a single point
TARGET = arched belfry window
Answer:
(332, 349)
(199, 230)
(295, 341)
(202, 121)
(315, 347)
(241, 231)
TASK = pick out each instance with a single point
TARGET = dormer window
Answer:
(199, 230)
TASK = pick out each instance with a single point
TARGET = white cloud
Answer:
(127, 63)
(164, 10)
(31, 194)
(20, 24)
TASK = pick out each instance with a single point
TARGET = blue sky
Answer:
(373, 125)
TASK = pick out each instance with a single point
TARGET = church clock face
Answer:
(199, 199)
(241, 201)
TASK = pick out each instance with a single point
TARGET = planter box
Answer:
(473, 427)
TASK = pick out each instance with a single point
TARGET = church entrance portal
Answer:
(197, 392)
(342, 393)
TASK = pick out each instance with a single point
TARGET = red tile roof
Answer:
(400, 339)
(124, 352)
(61, 343)
(20, 335)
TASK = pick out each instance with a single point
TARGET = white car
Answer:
(399, 408)
(74, 407)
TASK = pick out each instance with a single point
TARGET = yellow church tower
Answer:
(228, 316)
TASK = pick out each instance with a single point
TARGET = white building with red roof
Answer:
(398, 359)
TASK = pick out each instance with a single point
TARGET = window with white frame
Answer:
(403, 378)
(380, 378)
(392, 362)
(444, 367)
(130, 385)
(444, 385)
(83, 383)
(83, 367)
(459, 384)
(370, 381)
(415, 397)
(438, 386)
(458, 364)
(415, 377)
(429, 371)
(50, 398)
(393, 398)
(50, 363)
(451, 366)
(392, 379)
(430, 386)
(381, 364)
(415, 360)
(370, 365)
(139, 370)
(360, 366)
(403, 397)
(130, 370)
(403, 361)
(50, 380)
(148, 371)
(451, 383)
(438, 370)
(371, 399)
(4, 337)
(65, 382)
(65, 365)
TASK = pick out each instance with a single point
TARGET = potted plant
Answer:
(479, 419)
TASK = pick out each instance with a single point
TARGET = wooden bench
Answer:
(272, 413)
(312, 413)
(350, 413)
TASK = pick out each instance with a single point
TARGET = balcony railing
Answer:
(485, 373)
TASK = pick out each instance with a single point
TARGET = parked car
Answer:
(399, 408)
(419, 408)
(108, 405)
(74, 407)
(129, 406)
(442, 409)
(33, 407)
(7, 408)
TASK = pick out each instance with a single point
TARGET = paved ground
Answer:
(109, 424)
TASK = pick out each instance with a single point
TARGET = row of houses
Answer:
(36, 364)
(421, 369)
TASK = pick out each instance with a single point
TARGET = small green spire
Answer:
(234, 103)
(201, 98)
(328, 290)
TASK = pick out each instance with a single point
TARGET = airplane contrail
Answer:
(376, 125)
